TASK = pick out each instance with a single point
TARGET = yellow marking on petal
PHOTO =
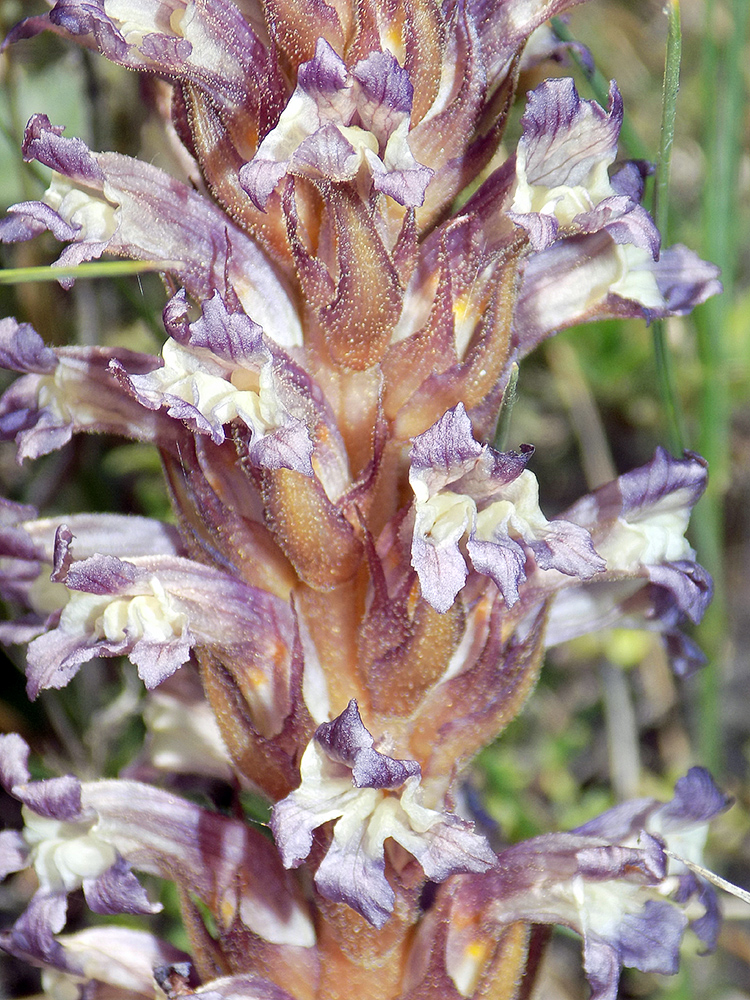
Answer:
(414, 596)
(227, 911)
(392, 40)
(245, 380)
(477, 950)
(257, 678)
(468, 970)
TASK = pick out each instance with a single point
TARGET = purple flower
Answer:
(638, 524)
(346, 779)
(338, 123)
(90, 834)
(466, 490)
(610, 881)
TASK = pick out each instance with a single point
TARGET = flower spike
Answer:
(353, 593)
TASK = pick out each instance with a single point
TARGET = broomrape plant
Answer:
(360, 588)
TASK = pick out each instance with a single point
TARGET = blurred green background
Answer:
(608, 719)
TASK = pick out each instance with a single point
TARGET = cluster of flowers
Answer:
(359, 589)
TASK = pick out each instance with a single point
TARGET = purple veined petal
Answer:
(384, 107)
(155, 609)
(346, 741)
(353, 869)
(386, 93)
(697, 799)
(442, 846)
(630, 179)
(542, 228)
(400, 176)
(440, 564)
(602, 966)
(708, 926)
(331, 153)
(687, 587)
(325, 79)
(208, 44)
(14, 852)
(106, 534)
(220, 370)
(32, 937)
(28, 219)
(565, 138)
(23, 350)
(625, 222)
(561, 170)
(54, 798)
(684, 280)
(503, 560)
(229, 335)
(260, 178)
(447, 454)
(241, 987)
(117, 890)
(568, 548)
(106, 957)
(648, 941)
(112, 202)
(444, 453)
(352, 874)
(582, 608)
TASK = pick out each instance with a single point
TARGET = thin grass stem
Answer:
(724, 95)
(663, 360)
(101, 269)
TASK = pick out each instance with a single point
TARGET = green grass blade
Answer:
(668, 115)
(510, 393)
(724, 105)
(664, 371)
(101, 269)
